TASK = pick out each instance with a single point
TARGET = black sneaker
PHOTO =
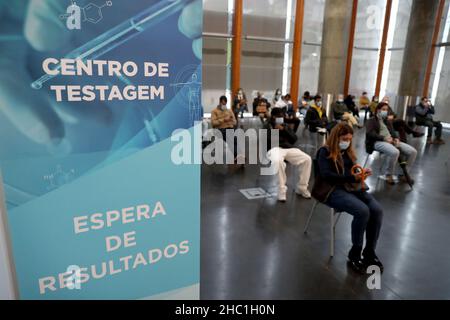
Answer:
(409, 180)
(357, 265)
(371, 259)
(417, 134)
(354, 260)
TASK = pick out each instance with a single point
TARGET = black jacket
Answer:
(328, 171)
(423, 114)
(287, 137)
(350, 104)
(327, 176)
(373, 133)
(314, 121)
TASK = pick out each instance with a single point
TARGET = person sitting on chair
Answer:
(373, 105)
(340, 188)
(224, 120)
(380, 136)
(240, 103)
(341, 112)
(364, 104)
(256, 102)
(316, 116)
(351, 105)
(424, 117)
(286, 105)
(262, 109)
(400, 125)
(286, 151)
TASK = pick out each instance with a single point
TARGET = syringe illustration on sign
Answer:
(194, 87)
(91, 12)
(117, 36)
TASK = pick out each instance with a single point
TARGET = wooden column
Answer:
(437, 28)
(387, 18)
(236, 48)
(297, 51)
(351, 41)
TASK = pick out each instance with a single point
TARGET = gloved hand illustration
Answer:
(191, 26)
(35, 113)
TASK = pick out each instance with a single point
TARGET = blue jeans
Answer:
(393, 153)
(367, 215)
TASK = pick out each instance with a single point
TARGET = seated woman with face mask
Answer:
(381, 137)
(338, 186)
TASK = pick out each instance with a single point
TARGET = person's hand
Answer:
(390, 117)
(279, 127)
(33, 112)
(368, 172)
(29, 110)
(190, 24)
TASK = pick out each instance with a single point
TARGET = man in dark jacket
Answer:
(286, 151)
(381, 137)
(424, 117)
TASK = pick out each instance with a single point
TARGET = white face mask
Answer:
(319, 104)
(344, 145)
(279, 120)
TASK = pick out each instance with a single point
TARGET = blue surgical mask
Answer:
(383, 114)
(344, 145)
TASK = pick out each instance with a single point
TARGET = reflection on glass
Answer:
(263, 60)
(368, 33)
(312, 40)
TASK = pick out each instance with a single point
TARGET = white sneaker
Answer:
(282, 196)
(322, 130)
(304, 193)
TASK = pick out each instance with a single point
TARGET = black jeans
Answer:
(367, 215)
(402, 128)
(432, 124)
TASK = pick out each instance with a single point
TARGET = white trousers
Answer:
(295, 157)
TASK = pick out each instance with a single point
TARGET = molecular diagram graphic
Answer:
(59, 178)
(91, 12)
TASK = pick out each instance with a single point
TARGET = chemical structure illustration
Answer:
(59, 177)
(91, 12)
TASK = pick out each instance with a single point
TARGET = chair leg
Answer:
(308, 222)
(380, 171)
(332, 233)
(367, 160)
